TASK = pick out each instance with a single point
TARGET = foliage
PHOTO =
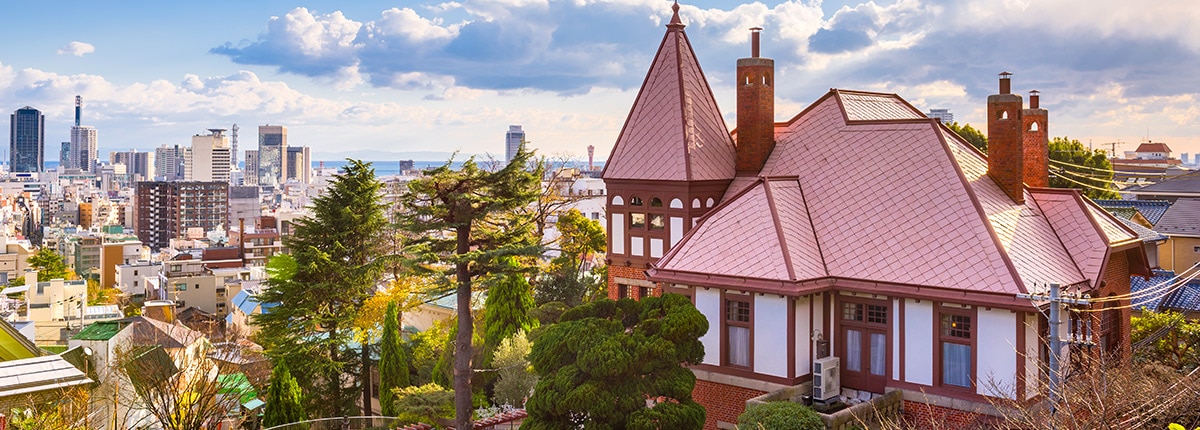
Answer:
(973, 136)
(780, 416)
(1178, 339)
(101, 296)
(336, 265)
(393, 362)
(429, 403)
(1095, 173)
(407, 292)
(602, 361)
(516, 377)
(50, 265)
(508, 305)
(462, 222)
(283, 398)
(67, 412)
(580, 239)
(427, 347)
(179, 389)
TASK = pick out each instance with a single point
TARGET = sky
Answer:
(424, 79)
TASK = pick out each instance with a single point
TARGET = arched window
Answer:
(617, 201)
(1033, 126)
(655, 202)
(1003, 114)
(635, 201)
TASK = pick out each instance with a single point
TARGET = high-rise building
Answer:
(64, 156)
(233, 155)
(138, 165)
(83, 154)
(299, 161)
(251, 171)
(512, 142)
(169, 162)
(272, 155)
(165, 210)
(943, 115)
(27, 140)
(209, 158)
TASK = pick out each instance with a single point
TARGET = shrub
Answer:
(780, 416)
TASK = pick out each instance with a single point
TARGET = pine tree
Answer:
(467, 219)
(334, 267)
(393, 362)
(506, 310)
(283, 398)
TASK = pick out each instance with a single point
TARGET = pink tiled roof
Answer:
(1069, 217)
(674, 130)
(864, 106)
(1153, 147)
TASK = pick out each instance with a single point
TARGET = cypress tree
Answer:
(393, 362)
(283, 398)
(506, 310)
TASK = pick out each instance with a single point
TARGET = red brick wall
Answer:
(1116, 282)
(722, 402)
(627, 272)
(755, 113)
(926, 416)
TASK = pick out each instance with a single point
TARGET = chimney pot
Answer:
(754, 41)
(1033, 99)
(1005, 83)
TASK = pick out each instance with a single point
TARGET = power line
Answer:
(1152, 288)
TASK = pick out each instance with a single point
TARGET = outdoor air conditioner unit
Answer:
(827, 382)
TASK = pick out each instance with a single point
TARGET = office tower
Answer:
(299, 162)
(233, 155)
(512, 142)
(165, 210)
(272, 155)
(943, 115)
(26, 140)
(209, 158)
(138, 165)
(83, 154)
(251, 171)
(169, 162)
(64, 156)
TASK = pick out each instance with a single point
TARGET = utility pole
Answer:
(1056, 301)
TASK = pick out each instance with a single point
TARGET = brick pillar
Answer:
(755, 110)
(722, 402)
(1005, 141)
(1036, 142)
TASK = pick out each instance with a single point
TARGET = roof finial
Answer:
(675, 21)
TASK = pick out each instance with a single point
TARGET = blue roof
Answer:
(1153, 210)
(245, 302)
(1183, 298)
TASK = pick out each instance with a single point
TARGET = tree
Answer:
(283, 398)
(602, 361)
(180, 388)
(508, 306)
(467, 219)
(975, 137)
(393, 363)
(580, 238)
(512, 363)
(1171, 339)
(1071, 164)
(49, 264)
(429, 403)
(336, 265)
(1081, 168)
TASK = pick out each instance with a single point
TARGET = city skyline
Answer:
(369, 80)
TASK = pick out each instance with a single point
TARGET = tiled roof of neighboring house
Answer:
(1145, 234)
(1123, 213)
(149, 331)
(101, 330)
(1187, 183)
(1159, 292)
(1153, 147)
(14, 345)
(31, 375)
(1182, 219)
(674, 131)
(835, 214)
(1153, 210)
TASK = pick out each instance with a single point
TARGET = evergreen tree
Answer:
(467, 219)
(283, 398)
(602, 361)
(334, 268)
(506, 310)
(393, 362)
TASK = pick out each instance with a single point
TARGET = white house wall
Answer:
(1032, 361)
(770, 326)
(804, 342)
(997, 343)
(918, 336)
(708, 302)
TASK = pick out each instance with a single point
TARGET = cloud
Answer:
(77, 49)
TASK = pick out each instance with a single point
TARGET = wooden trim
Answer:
(749, 374)
(900, 314)
(972, 312)
(1021, 387)
(791, 336)
(726, 297)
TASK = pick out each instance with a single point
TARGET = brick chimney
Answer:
(1006, 154)
(1036, 143)
(755, 109)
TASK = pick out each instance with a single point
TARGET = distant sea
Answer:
(391, 168)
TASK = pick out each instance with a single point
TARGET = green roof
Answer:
(237, 384)
(101, 330)
(54, 349)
